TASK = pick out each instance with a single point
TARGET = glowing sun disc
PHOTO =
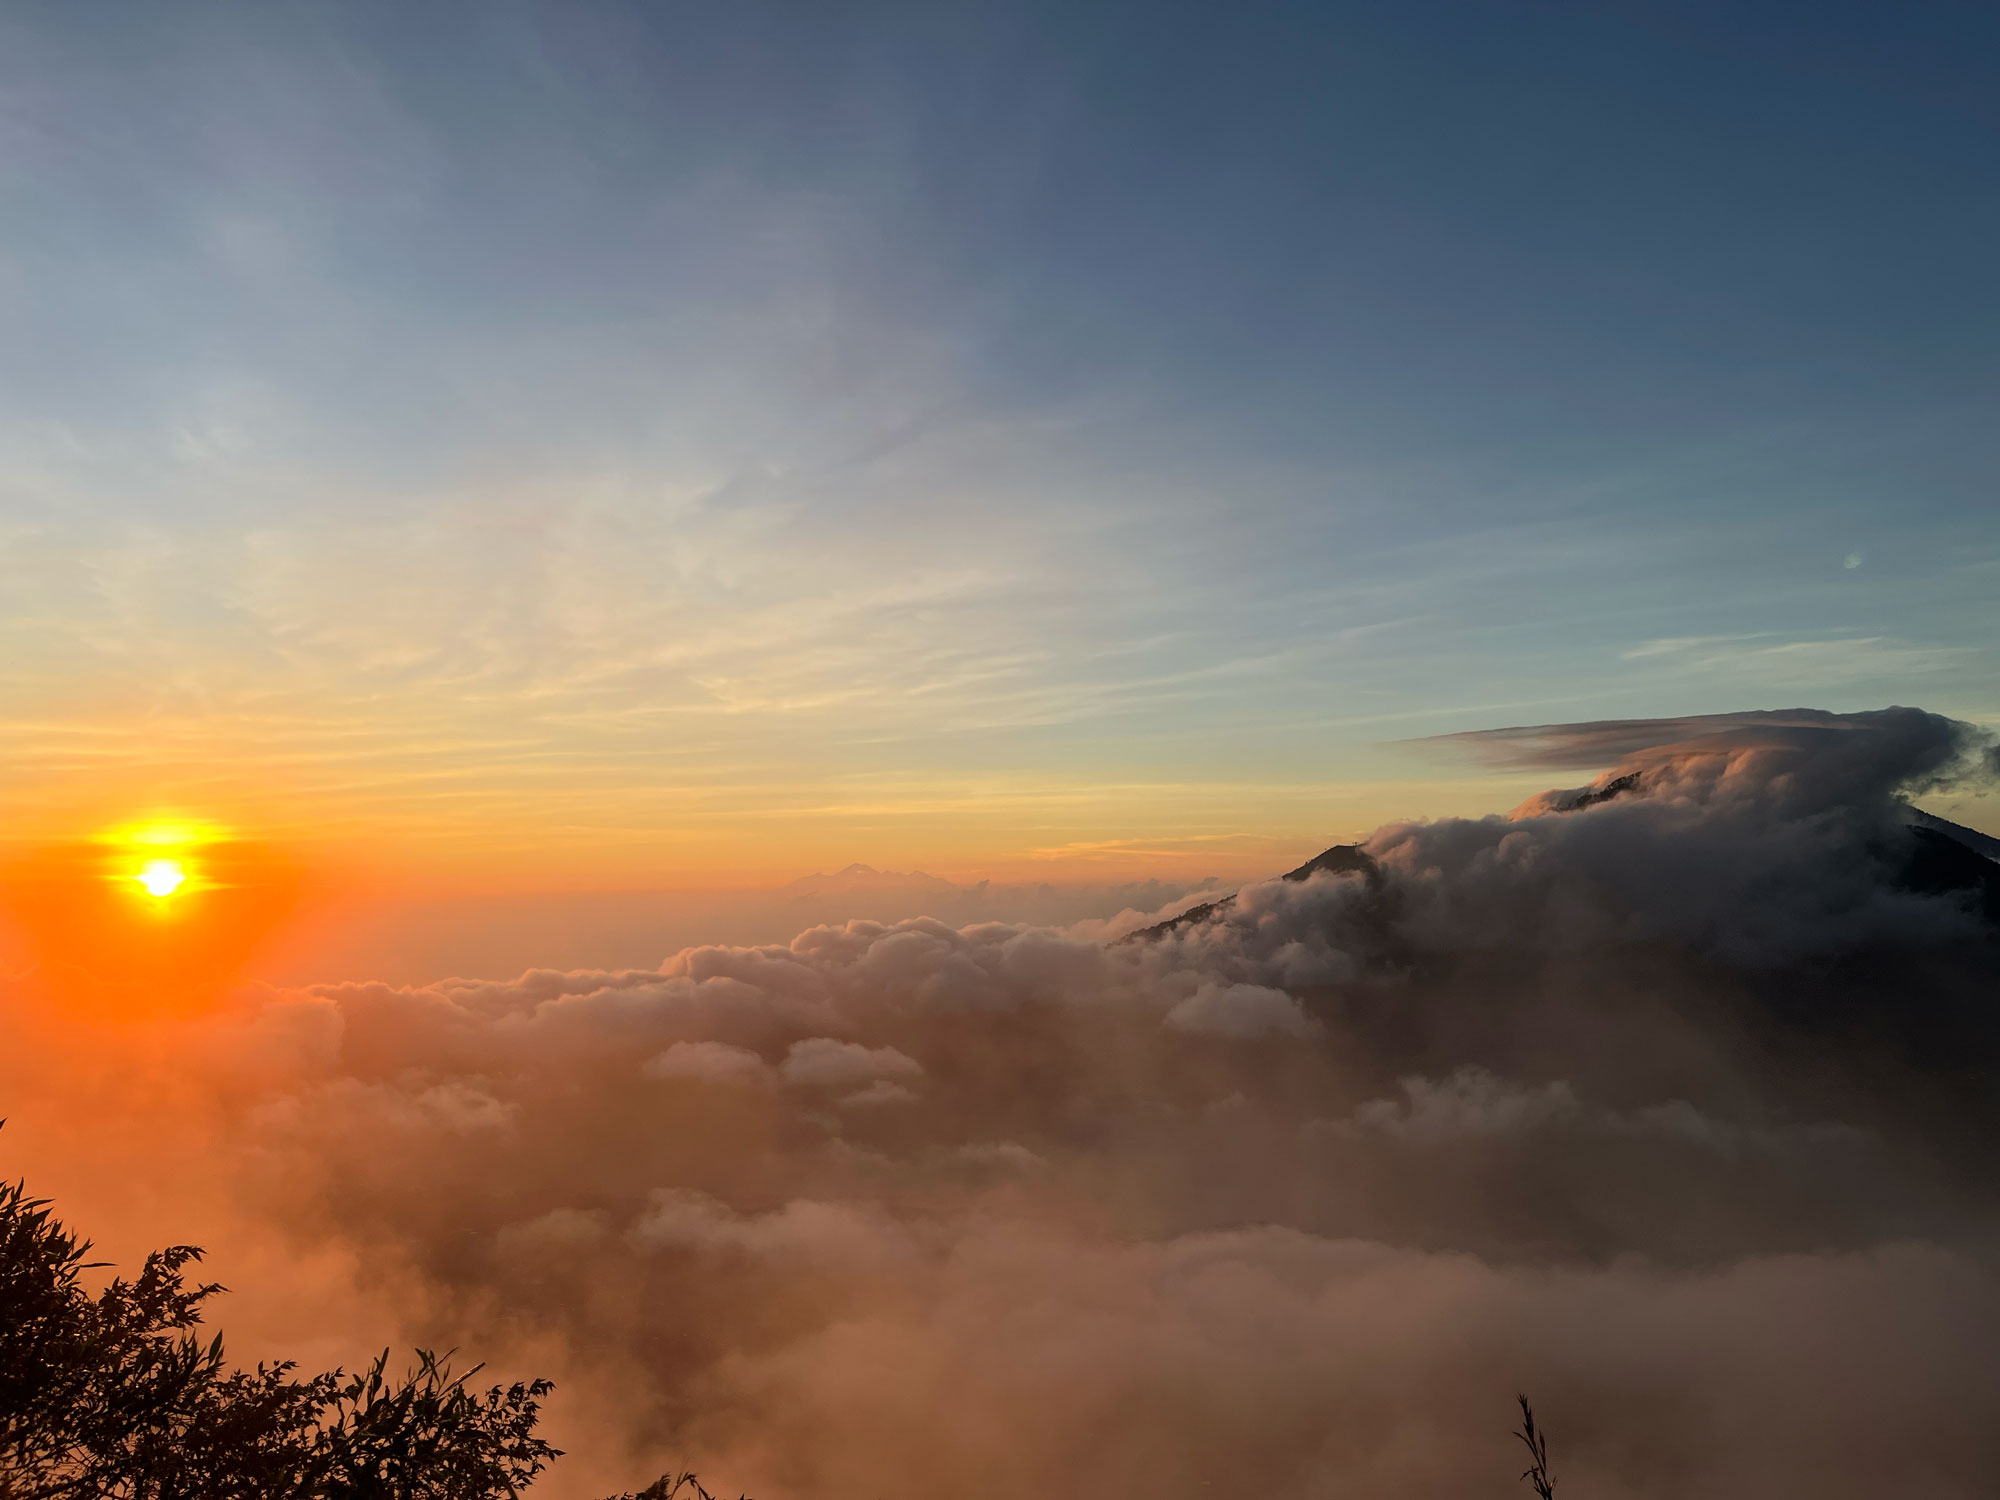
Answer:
(161, 877)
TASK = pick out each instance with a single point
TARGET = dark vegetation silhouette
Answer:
(1537, 1472)
(117, 1397)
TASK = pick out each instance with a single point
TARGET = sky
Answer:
(595, 446)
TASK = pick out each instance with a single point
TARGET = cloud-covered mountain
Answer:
(1668, 1099)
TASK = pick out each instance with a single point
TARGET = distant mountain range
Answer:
(860, 879)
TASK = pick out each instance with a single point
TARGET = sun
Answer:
(161, 877)
(162, 861)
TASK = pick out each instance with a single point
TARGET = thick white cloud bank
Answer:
(1671, 1107)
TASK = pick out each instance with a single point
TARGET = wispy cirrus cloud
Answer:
(1769, 656)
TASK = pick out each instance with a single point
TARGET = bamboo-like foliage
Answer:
(1537, 1472)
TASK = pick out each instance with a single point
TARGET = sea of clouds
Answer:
(1673, 1108)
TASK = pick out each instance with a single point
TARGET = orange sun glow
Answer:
(149, 916)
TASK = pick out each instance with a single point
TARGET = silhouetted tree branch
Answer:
(116, 1397)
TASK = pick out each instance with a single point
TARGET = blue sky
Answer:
(970, 433)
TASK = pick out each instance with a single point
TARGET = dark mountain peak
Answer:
(1971, 838)
(1947, 860)
(1589, 796)
(1341, 859)
(1617, 786)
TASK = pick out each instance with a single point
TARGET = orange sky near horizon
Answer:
(480, 824)
(285, 882)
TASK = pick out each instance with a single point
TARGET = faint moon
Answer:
(1851, 561)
